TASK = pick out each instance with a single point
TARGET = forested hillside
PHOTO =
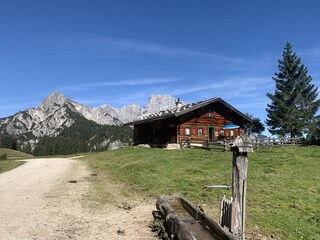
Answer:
(78, 139)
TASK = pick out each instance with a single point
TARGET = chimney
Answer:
(178, 103)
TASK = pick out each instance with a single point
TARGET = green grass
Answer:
(6, 165)
(14, 154)
(283, 189)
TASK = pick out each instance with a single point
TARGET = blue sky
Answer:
(121, 52)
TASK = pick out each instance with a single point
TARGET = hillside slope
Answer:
(14, 154)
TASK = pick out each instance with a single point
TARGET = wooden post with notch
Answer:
(240, 147)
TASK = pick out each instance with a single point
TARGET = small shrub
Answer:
(158, 225)
(3, 156)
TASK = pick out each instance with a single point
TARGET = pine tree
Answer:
(255, 127)
(294, 103)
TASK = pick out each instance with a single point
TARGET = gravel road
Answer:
(50, 199)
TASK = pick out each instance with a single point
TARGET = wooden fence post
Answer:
(188, 143)
(240, 147)
(225, 144)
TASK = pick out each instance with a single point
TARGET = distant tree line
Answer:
(59, 145)
(77, 139)
(8, 141)
(84, 136)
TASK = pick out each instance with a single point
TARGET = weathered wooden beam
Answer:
(209, 222)
(178, 229)
(240, 147)
(217, 186)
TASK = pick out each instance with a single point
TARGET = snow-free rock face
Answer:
(46, 119)
(157, 103)
(52, 102)
(103, 115)
(129, 113)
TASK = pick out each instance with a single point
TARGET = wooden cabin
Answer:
(198, 122)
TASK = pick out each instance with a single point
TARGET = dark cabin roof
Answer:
(186, 108)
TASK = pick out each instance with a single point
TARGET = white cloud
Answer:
(130, 82)
(233, 86)
(169, 51)
(102, 45)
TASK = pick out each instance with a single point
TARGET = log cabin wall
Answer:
(206, 123)
(199, 125)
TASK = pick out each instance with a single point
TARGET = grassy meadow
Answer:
(14, 154)
(6, 165)
(283, 191)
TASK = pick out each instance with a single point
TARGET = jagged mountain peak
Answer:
(53, 114)
(53, 100)
(157, 102)
(155, 97)
(132, 105)
(58, 115)
(105, 106)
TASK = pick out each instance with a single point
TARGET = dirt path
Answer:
(37, 201)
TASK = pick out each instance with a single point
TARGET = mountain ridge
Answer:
(57, 113)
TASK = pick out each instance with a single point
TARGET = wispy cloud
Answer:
(311, 53)
(103, 45)
(246, 93)
(120, 83)
(170, 51)
(235, 85)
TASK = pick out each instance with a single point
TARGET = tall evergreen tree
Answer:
(294, 103)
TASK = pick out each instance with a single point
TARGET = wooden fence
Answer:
(227, 213)
(223, 144)
(277, 142)
(226, 143)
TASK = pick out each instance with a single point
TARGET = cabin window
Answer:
(187, 131)
(231, 133)
(200, 132)
(211, 115)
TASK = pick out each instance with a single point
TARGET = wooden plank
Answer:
(176, 227)
(241, 146)
(194, 211)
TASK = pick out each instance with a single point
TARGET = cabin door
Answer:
(211, 133)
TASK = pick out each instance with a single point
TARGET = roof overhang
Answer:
(149, 119)
(190, 109)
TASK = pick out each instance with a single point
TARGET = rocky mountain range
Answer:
(57, 114)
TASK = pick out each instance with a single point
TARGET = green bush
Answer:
(158, 225)
(3, 156)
